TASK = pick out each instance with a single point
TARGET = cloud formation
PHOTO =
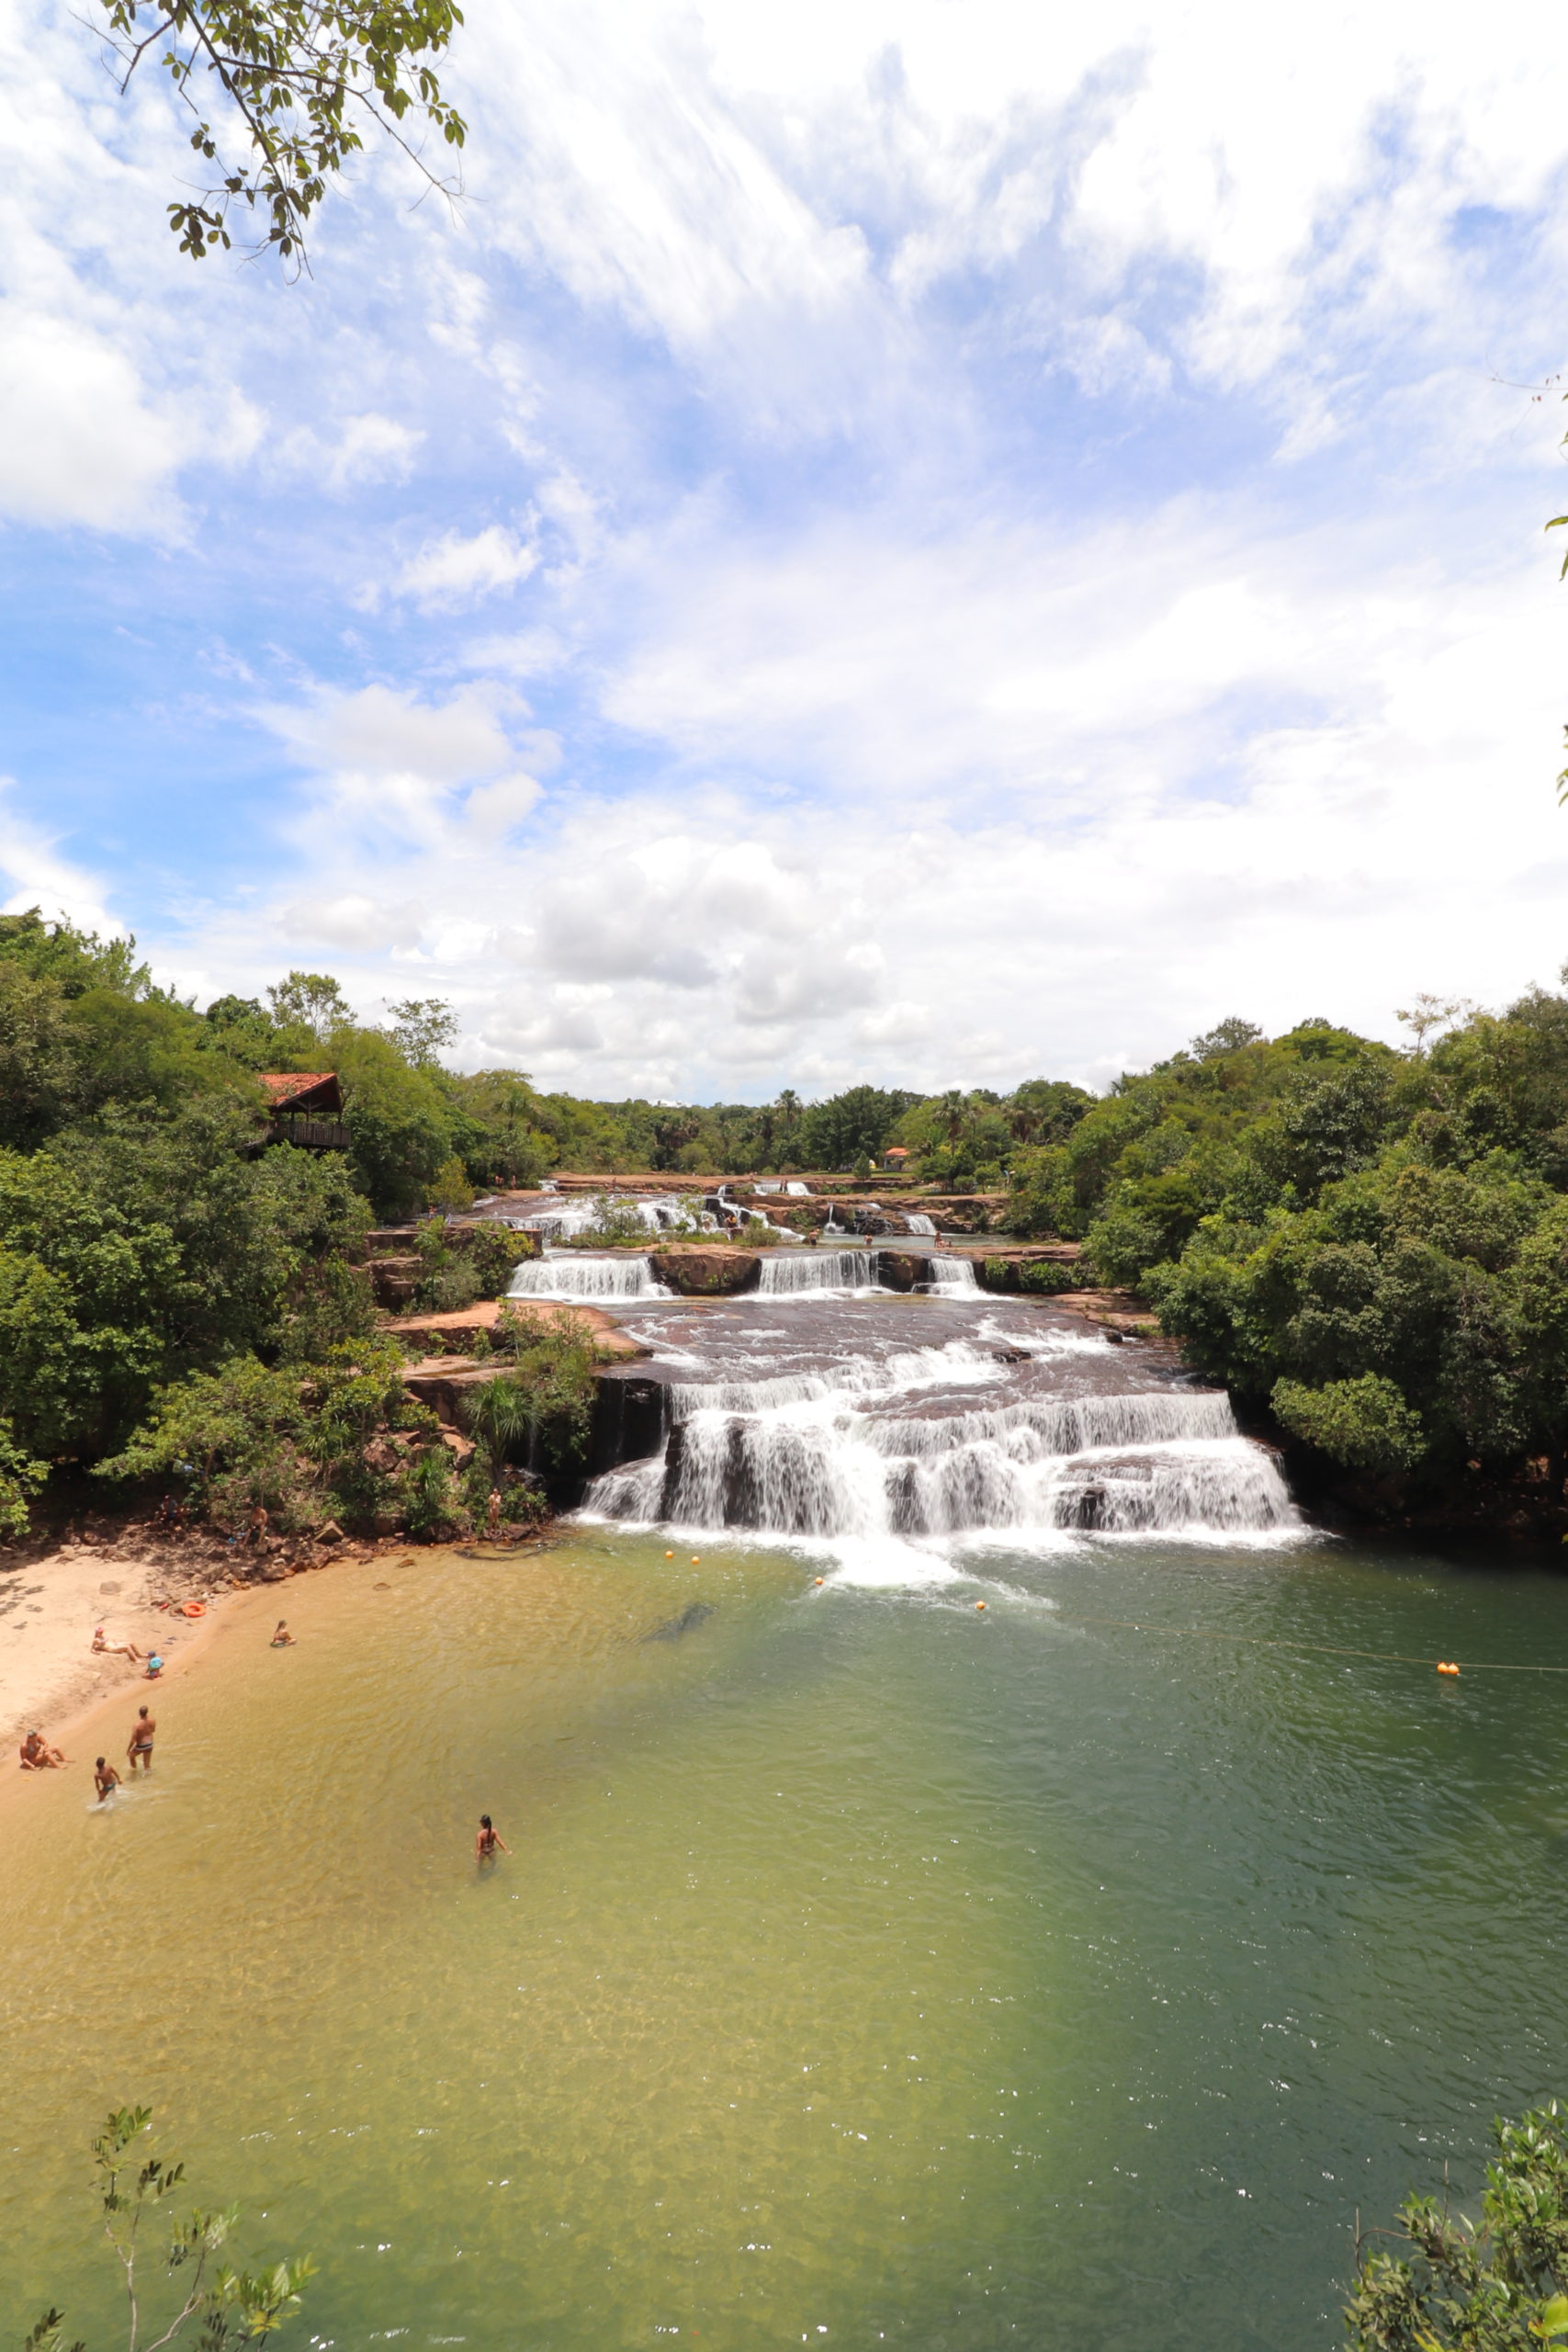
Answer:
(884, 544)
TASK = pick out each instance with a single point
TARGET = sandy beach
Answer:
(52, 1597)
(49, 1607)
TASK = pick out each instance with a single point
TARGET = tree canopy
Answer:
(297, 83)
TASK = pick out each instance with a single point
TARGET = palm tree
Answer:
(498, 1413)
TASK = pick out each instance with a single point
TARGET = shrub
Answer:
(1365, 1423)
(1498, 2287)
(434, 1504)
(20, 1478)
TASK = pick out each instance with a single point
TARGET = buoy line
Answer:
(1323, 1649)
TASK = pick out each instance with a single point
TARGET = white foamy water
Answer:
(921, 1224)
(578, 1276)
(951, 1277)
(819, 1270)
(828, 1455)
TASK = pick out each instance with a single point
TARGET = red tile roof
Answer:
(302, 1089)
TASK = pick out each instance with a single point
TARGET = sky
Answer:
(933, 544)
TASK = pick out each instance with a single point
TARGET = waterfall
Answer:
(819, 1270)
(951, 1277)
(818, 1454)
(575, 1277)
(924, 1226)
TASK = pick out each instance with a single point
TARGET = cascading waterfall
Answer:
(951, 1277)
(819, 1269)
(923, 1225)
(582, 1277)
(819, 1456)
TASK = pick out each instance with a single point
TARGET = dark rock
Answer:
(629, 1420)
(689, 1619)
(707, 1274)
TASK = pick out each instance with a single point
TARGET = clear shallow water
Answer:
(864, 1965)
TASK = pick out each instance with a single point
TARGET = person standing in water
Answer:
(143, 1731)
(487, 1839)
(106, 1779)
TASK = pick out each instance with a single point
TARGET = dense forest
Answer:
(1370, 1245)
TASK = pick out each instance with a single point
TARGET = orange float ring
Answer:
(194, 1609)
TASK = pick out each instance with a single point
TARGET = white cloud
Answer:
(40, 877)
(457, 570)
(80, 443)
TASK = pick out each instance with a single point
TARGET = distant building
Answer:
(306, 1110)
(895, 1159)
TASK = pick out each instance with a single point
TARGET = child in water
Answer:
(106, 1779)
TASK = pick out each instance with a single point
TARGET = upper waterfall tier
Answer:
(571, 1276)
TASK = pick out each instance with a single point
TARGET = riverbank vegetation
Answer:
(1370, 1245)
(1499, 2286)
(222, 2306)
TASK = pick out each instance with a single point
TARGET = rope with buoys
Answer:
(1323, 1649)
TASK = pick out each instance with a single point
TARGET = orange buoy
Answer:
(696, 1559)
(979, 1604)
(669, 1556)
(1445, 1666)
(819, 1579)
(194, 1609)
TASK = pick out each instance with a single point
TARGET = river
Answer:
(867, 1967)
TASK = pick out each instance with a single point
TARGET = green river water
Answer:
(866, 1970)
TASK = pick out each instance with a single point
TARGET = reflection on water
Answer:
(863, 1964)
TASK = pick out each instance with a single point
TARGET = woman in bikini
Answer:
(487, 1839)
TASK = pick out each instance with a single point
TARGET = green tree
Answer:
(546, 1402)
(135, 2188)
(1501, 2286)
(422, 1029)
(404, 1127)
(311, 1000)
(21, 1476)
(296, 81)
(1365, 1423)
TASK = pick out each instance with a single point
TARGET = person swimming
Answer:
(487, 1839)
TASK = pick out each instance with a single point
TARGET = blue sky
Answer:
(925, 544)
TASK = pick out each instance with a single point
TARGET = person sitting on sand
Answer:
(115, 1649)
(106, 1779)
(143, 1732)
(487, 1839)
(154, 1666)
(38, 1756)
(283, 1639)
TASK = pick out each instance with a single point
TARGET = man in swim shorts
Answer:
(487, 1839)
(106, 1779)
(143, 1732)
